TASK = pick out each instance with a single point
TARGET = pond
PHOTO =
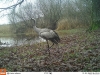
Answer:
(15, 41)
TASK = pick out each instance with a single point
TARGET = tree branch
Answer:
(12, 6)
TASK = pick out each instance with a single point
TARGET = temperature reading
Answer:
(91, 73)
(48, 73)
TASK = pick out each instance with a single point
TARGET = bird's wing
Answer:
(47, 34)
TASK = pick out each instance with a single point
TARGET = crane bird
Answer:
(46, 34)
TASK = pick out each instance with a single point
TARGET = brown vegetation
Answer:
(69, 24)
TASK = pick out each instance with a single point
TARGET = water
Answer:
(12, 41)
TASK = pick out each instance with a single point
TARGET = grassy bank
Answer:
(78, 51)
(5, 30)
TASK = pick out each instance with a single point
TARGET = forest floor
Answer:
(78, 51)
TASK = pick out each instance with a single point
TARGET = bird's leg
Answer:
(51, 45)
(48, 46)
(58, 48)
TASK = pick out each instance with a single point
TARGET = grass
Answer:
(63, 33)
(5, 30)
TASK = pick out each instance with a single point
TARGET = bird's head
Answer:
(33, 21)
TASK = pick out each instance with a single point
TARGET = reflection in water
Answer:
(15, 41)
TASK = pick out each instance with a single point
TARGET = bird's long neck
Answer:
(36, 29)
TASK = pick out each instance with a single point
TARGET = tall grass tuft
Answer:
(69, 24)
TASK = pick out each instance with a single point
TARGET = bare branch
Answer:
(12, 6)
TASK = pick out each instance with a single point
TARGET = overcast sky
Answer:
(3, 4)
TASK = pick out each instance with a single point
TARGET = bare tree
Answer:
(76, 12)
(51, 10)
(21, 18)
(11, 5)
(84, 11)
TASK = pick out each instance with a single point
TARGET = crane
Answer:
(47, 34)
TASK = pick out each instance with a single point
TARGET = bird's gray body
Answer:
(48, 34)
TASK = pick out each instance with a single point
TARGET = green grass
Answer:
(63, 33)
(4, 52)
(5, 30)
